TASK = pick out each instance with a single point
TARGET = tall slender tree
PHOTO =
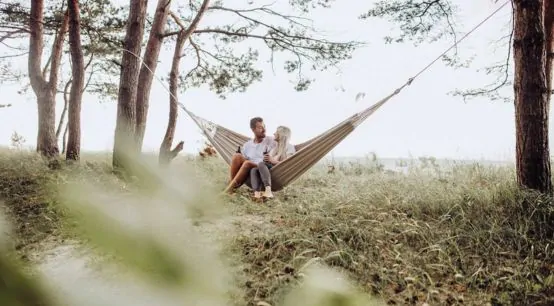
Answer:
(128, 83)
(289, 40)
(532, 94)
(530, 38)
(101, 29)
(73, 149)
(146, 76)
(45, 90)
(166, 153)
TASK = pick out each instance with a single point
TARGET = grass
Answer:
(445, 236)
(441, 235)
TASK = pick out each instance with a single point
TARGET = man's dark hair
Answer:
(255, 120)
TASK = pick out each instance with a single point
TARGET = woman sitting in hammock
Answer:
(260, 176)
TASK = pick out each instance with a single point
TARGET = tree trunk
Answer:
(128, 81)
(64, 110)
(531, 96)
(166, 154)
(45, 91)
(73, 150)
(66, 98)
(151, 55)
(64, 139)
(47, 144)
(549, 29)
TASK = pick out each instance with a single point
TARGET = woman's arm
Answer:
(273, 160)
(290, 152)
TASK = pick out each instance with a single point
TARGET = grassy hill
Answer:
(453, 234)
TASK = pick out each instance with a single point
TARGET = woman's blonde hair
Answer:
(280, 151)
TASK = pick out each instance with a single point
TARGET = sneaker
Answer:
(267, 193)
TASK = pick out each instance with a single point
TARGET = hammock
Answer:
(308, 153)
(225, 141)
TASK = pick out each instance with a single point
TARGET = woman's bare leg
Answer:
(236, 162)
(241, 175)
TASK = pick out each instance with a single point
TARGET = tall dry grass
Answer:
(441, 235)
(144, 236)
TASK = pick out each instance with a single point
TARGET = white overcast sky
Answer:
(423, 120)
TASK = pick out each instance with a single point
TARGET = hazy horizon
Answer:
(388, 160)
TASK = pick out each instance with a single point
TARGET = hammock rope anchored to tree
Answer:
(226, 141)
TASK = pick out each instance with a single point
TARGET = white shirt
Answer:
(290, 149)
(255, 151)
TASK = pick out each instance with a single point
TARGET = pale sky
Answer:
(422, 120)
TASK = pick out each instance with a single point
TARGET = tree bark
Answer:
(44, 90)
(531, 96)
(151, 55)
(166, 154)
(549, 29)
(64, 139)
(128, 81)
(66, 92)
(73, 149)
(64, 110)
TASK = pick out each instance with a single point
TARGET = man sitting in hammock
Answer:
(252, 154)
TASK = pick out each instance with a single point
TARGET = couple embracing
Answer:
(257, 156)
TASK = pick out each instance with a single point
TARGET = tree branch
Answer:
(417, 20)
(225, 70)
(10, 34)
(168, 34)
(197, 49)
(36, 45)
(187, 31)
(92, 71)
(64, 110)
(268, 37)
(190, 29)
(502, 80)
(296, 20)
(46, 66)
(57, 49)
(272, 28)
(431, 20)
(13, 55)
